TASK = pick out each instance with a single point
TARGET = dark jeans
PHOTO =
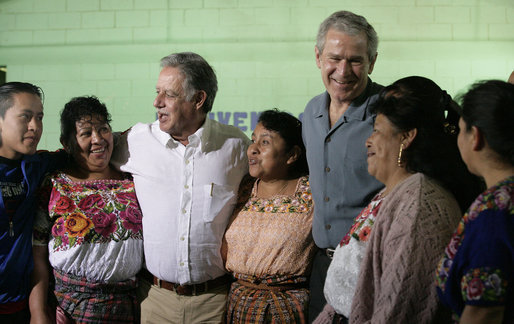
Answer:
(317, 283)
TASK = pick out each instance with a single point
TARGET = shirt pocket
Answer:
(218, 198)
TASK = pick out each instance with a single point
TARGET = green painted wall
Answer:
(262, 50)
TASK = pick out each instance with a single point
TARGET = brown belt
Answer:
(186, 290)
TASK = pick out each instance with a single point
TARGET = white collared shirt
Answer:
(186, 193)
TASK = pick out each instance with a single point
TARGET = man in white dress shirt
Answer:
(186, 170)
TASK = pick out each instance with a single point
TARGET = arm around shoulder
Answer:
(120, 151)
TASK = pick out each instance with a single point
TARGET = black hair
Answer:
(418, 103)
(489, 105)
(290, 129)
(75, 110)
(7, 90)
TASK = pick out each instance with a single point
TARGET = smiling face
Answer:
(178, 116)
(344, 65)
(95, 144)
(383, 148)
(21, 126)
(267, 156)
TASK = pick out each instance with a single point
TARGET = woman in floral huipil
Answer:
(475, 277)
(268, 245)
(88, 226)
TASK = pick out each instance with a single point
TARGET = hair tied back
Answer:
(446, 105)
(449, 128)
(445, 100)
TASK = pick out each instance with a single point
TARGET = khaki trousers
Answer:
(159, 305)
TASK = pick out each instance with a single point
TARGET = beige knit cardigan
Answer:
(412, 228)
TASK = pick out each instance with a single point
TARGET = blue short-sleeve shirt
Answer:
(340, 182)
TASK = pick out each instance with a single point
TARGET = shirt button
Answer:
(186, 187)
(181, 264)
(183, 211)
(327, 198)
(328, 226)
(187, 162)
(182, 238)
(327, 169)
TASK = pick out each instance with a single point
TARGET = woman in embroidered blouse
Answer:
(380, 271)
(268, 244)
(88, 226)
(475, 277)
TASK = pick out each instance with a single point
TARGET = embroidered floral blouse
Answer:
(271, 237)
(92, 228)
(478, 264)
(343, 272)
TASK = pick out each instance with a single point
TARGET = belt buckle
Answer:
(182, 289)
(159, 282)
(196, 289)
(330, 253)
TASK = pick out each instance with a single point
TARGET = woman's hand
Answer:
(476, 314)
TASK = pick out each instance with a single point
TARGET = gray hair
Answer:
(198, 75)
(351, 24)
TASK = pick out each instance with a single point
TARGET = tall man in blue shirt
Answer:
(336, 125)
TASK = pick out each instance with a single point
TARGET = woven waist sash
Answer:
(274, 287)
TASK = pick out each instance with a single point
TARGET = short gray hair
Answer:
(351, 24)
(198, 75)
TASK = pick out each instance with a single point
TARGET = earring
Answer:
(399, 161)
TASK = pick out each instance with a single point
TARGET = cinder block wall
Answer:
(263, 51)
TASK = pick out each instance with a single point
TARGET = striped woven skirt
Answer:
(269, 300)
(87, 302)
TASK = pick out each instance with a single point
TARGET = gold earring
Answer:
(399, 161)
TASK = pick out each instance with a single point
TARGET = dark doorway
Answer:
(3, 73)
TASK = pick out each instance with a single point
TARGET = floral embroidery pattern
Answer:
(91, 212)
(105, 224)
(443, 271)
(361, 228)
(483, 284)
(64, 205)
(77, 224)
(300, 203)
(494, 198)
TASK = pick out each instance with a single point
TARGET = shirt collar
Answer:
(200, 137)
(353, 111)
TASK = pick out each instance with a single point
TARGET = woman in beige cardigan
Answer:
(426, 183)
(386, 260)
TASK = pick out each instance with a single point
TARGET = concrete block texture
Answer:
(80, 5)
(150, 4)
(99, 36)
(64, 20)
(50, 6)
(116, 4)
(98, 20)
(133, 18)
(49, 37)
(31, 21)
